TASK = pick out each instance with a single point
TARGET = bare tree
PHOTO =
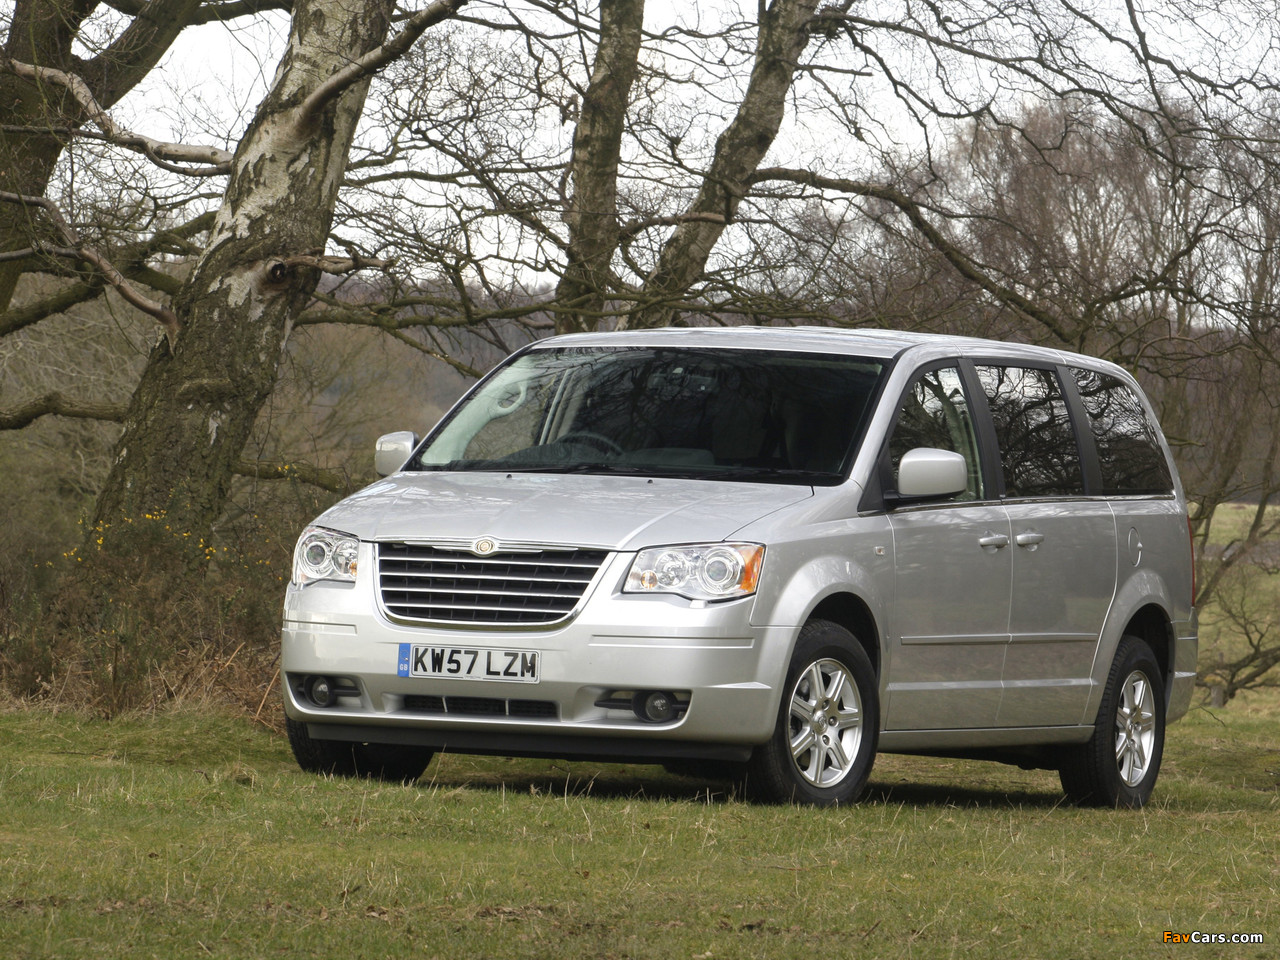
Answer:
(543, 165)
(50, 94)
(1122, 258)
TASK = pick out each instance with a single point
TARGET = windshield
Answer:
(662, 411)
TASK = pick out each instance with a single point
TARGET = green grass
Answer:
(1252, 590)
(192, 834)
(1231, 521)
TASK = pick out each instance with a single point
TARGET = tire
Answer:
(392, 763)
(828, 725)
(1119, 765)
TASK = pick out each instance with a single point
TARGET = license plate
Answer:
(468, 663)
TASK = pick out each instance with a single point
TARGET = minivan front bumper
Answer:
(717, 666)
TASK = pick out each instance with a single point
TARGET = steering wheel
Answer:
(594, 439)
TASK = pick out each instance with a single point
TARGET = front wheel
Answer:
(393, 763)
(824, 743)
(1119, 764)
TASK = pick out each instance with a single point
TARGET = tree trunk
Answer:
(26, 163)
(592, 214)
(784, 33)
(191, 414)
(41, 33)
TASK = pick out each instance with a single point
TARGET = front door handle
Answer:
(1029, 538)
(993, 541)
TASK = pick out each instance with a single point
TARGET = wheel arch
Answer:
(1152, 624)
(850, 611)
(826, 587)
(802, 586)
(1141, 607)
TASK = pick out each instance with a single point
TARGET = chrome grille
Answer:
(445, 585)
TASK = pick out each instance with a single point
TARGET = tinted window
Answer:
(1033, 427)
(1129, 452)
(698, 413)
(934, 413)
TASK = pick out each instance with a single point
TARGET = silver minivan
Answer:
(772, 552)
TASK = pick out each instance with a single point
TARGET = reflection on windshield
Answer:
(660, 411)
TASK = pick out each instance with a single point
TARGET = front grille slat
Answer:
(479, 593)
(493, 608)
(442, 584)
(543, 558)
(414, 575)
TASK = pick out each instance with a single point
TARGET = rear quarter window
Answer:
(1129, 451)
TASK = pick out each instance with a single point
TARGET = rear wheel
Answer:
(1119, 765)
(394, 763)
(828, 724)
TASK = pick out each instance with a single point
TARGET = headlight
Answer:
(325, 555)
(707, 571)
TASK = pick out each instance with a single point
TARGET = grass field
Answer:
(1253, 587)
(192, 834)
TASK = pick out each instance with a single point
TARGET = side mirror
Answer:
(927, 472)
(393, 450)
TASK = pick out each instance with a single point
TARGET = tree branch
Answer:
(337, 266)
(215, 160)
(132, 256)
(56, 404)
(914, 212)
(378, 317)
(74, 85)
(231, 9)
(14, 320)
(131, 56)
(329, 480)
(463, 368)
(77, 249)
(373, 61)
(209, 12)
(634, 227)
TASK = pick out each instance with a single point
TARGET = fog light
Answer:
(321, 692)
(656, 706)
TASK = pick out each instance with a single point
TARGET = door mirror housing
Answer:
(392, 450)
(928, 473)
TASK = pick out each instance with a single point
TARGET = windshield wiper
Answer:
(622, 469)
(593, 467)
(789, 474)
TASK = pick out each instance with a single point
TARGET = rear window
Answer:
(1129, 451)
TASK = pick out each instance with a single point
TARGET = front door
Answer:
(951, 616)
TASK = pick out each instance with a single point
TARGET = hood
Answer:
(613, 513)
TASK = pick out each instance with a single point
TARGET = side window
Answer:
(1033, 427)
(934, 413)
(1129, 452)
